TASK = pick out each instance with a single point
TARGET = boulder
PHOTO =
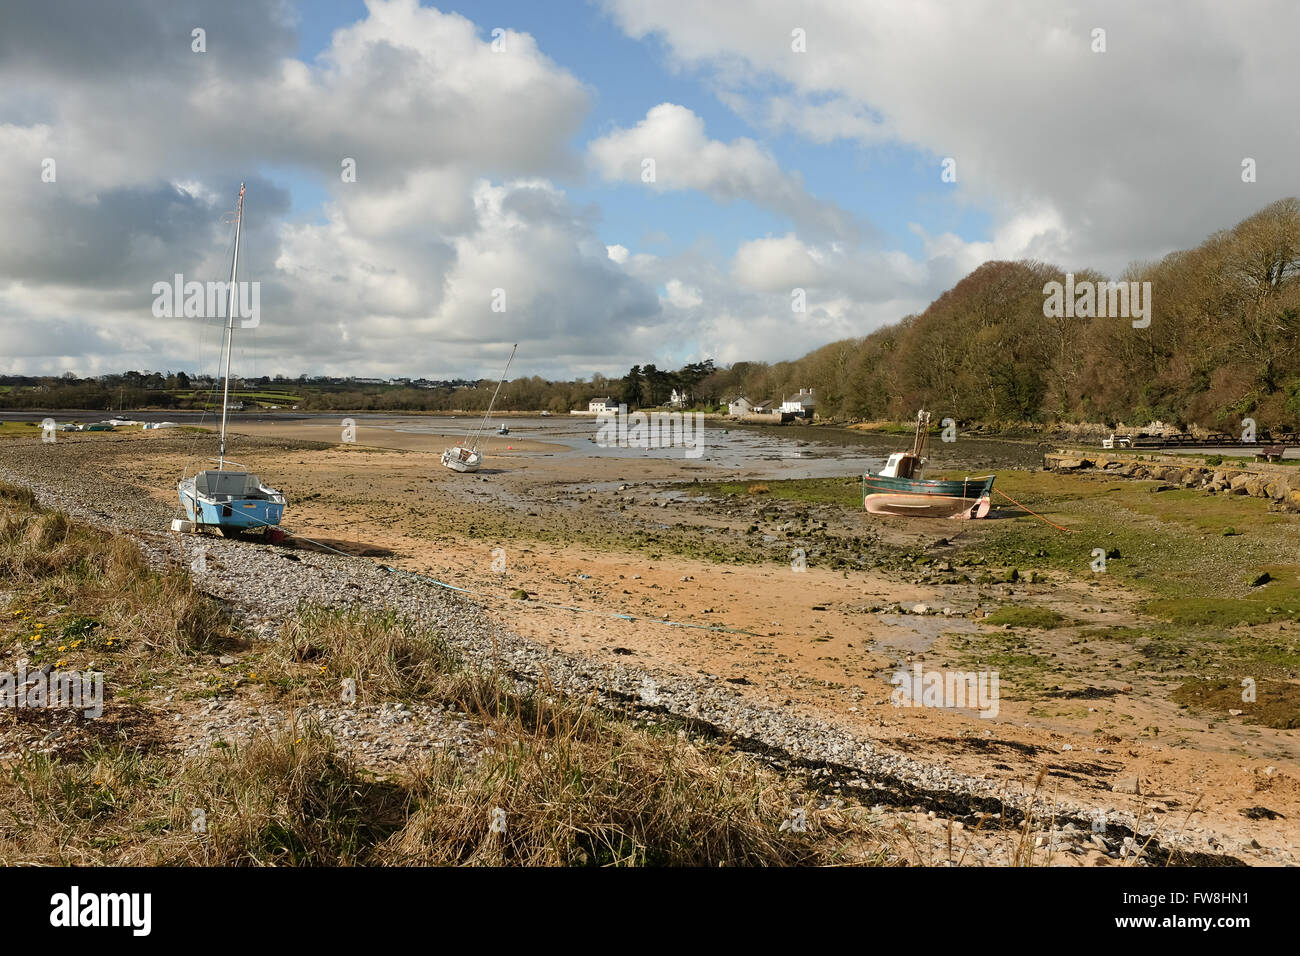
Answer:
(1255, 486)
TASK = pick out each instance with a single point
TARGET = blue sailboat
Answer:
(232, 500)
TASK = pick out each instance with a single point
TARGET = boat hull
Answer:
(458, 459)
(927, 498)
(233, 514)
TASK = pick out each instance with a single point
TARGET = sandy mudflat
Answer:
(613, 553)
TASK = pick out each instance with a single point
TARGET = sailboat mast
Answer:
(491, 404)
(230, 328)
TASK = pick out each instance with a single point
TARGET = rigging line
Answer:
(203, 414)
(488, 413)
(203, 328)
(1034, 513)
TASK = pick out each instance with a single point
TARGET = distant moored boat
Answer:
(469, 459)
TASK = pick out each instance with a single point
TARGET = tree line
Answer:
(1222, 344)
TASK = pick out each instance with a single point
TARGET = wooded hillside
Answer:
(1221, 345)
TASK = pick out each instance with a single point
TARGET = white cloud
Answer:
(681, 295)
(1081, 159)
(777, 264)
(1110, 146)
(394, 275)
(674, 139)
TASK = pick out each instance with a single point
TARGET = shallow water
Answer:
(744, 450)
(914, 633)
(775, 451)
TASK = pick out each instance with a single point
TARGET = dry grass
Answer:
(570, 787)
(605, 795)
(577, 785)
(58, 561)
(388, 657)
(285, 799)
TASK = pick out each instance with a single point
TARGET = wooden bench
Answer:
(1270, 452)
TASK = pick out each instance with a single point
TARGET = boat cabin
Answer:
(903, 464)
(224, 485)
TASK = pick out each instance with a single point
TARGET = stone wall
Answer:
(1278, 483)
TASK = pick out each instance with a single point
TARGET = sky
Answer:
(606, 183)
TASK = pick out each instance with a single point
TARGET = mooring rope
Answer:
(1034, 513)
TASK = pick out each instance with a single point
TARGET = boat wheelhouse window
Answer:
(906, 466)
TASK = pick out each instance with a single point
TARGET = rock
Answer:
(1126, 785)
(225, 660)
(1260, 813)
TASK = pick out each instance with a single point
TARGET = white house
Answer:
(739, 406)
(679, 399)
(803, 404)
(605, 404)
